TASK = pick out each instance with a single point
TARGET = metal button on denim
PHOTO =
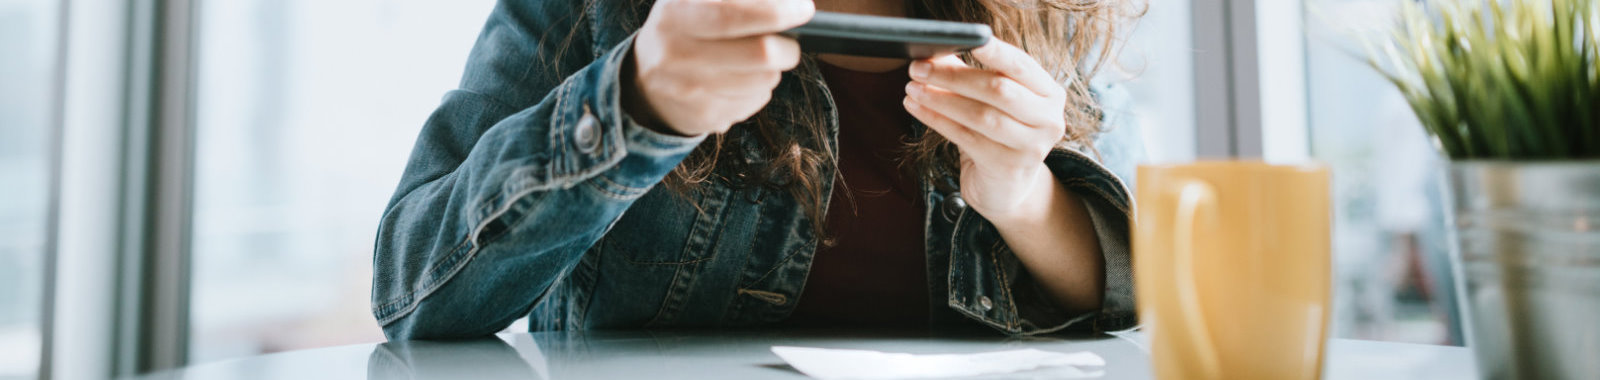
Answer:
(587, 132)
(953, 206)
(984, 304)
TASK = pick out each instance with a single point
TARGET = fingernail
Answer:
(919, 69)
(914, 89)
(910, 104)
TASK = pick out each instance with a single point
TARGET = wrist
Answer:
(1039, 206)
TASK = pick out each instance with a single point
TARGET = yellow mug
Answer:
(1232, 269)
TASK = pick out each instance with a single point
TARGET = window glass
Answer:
(28, 43)
(307, 110)
(1156, 66)
(1391, 253)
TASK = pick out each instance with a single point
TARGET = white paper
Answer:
(834, 364)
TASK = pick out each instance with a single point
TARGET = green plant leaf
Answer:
(1502, 79)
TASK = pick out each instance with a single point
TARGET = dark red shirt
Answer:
(875, 273)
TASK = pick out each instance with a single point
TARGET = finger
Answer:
(769, 52)
(991, 88)
(971, 143)
(716, 114)
(975, 115)
(1017, 64)
(720, 19)
(695, 83)
(740, 84)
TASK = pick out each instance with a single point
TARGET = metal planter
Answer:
(1528, 237)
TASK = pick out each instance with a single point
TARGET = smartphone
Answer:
(887, 37)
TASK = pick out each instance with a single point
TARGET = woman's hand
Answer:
(1004, 119)
(700, 66)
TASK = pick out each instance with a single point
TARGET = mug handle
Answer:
(1192, 196)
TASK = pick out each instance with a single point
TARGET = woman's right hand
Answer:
(701, 66)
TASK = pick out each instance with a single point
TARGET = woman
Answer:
(795, 189)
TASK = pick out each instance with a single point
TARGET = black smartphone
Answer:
(887, 37)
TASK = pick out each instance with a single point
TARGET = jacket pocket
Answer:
(667, 228)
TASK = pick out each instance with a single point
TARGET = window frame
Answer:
(118, 288)
(1242, 110)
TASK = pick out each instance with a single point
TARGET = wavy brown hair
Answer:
(1072, 39)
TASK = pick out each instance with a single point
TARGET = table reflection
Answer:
(743, 355)
(697, 354)
(487, 358)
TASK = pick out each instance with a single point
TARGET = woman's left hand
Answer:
(1004, 119)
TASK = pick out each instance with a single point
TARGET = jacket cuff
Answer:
(989, 283)
(1110, 207)
(594, 133)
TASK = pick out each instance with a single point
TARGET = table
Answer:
(746, 354)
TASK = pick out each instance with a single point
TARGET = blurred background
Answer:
(28, 41)
(300, 115)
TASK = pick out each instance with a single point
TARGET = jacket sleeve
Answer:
(989, 284)
(514, 176)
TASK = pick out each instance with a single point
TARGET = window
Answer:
(1390, 247)
(27, 38)
(307, 111)
(1319, 99)
(1156, 65)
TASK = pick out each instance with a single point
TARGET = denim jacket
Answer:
(530, 193)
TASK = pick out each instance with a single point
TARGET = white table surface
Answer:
(716, 354)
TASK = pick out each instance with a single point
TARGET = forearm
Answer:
(469, 244)
(1058, 245)
(448, 266)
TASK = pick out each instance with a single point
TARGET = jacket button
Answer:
(984, 304)
(587, 133)
(953, 206)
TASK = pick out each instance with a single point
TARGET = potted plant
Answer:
(1510, 91)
